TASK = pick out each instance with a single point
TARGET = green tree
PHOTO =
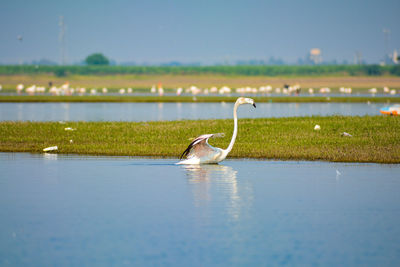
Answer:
(97, 59)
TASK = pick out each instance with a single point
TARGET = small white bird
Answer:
(19, 88)
(317, 127)
(386, 90)
(200, 152)
(373, 90)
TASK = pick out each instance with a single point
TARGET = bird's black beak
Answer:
(254, 105)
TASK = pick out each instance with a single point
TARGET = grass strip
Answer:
(375, 138)
(199, 99)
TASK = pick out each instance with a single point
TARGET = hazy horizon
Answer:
(206, 32)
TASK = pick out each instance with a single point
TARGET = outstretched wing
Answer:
(199, 147)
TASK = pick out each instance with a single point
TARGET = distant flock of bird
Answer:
(66, 89)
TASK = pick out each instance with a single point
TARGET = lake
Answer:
(173, 111)
(68, 210)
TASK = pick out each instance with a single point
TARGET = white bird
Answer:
(386, 90)
(213, 90)
(20, 87)
(200, 152)
(31, 90)
(373, 90)
(160, 91)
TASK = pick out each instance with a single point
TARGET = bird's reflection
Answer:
(216, 185)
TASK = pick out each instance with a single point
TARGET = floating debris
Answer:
(317, 127)
(391, 110)
(346, 134)
(50, 148)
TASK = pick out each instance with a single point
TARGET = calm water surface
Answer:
(109, 211)
(173, 111)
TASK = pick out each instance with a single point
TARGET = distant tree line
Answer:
(321, 70)
(97, 59)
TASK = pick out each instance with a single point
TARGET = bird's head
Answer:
(245, 100)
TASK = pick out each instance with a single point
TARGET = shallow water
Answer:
(106, 211)
(173, 111)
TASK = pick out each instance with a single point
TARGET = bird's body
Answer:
(201, 152)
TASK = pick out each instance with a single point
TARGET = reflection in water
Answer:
(50, 156)
(160, 106)
(66, 107)
(213, 183)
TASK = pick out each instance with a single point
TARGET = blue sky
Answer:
(197, 31)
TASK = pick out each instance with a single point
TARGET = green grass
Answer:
(111, 98)
(375, 138)
(251, 70)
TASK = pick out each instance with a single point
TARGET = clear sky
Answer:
(208, 31)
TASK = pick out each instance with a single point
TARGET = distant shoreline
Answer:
(145, 81)
(194, 99)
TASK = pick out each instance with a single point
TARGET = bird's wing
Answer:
(199, 147)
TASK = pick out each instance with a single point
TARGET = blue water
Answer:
(60, 210)
(173, 111)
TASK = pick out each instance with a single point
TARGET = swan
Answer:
(200, 152)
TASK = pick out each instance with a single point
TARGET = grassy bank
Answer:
(199, 99)
(375, 138)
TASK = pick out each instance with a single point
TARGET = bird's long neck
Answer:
(235, 128)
